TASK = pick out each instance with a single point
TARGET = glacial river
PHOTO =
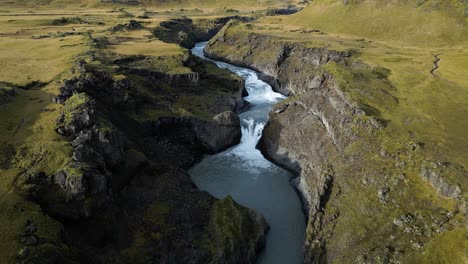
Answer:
(252, 180)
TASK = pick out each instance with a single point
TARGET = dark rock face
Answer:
(6, 92)
(190, 225)
(186, 33)
(77, 115)
(293, 68)
(283, 11)
(190, 137)
(123, 2)
(222, 228)
(222, 133)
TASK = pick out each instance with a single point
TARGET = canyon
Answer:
(169, 132)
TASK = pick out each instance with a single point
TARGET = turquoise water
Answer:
(253, 181)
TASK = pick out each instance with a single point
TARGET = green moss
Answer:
(15, 213)
(73, 172)
(75, 105)
(367, 86)
(449, 247)
(230, 226)
(146, 240)
(26, 132)
(157, 212)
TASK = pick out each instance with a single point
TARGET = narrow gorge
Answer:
(233, 132)
(244, 174)
(330, 133)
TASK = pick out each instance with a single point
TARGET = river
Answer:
(252, 180)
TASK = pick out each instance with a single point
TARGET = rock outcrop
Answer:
(185, 139)
(186, 32)
(437, 173)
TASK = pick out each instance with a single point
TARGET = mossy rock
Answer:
(235, 233)
(77, 114)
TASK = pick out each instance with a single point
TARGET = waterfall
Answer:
(252, 180)
(250, 157)
(259, 91)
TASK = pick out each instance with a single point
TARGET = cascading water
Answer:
(252, 180)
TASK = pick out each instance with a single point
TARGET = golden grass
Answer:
(148, 48)
(27, 60)
(207, 5)
(403, 24)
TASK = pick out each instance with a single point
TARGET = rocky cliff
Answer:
(122, 195)
(355, 179)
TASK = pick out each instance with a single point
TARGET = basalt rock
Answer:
(6, 92)
(206, 236)
(186, 32)
(93, 82)
(222, 133)
(436, 174)
(85, 180)
(283, 11)
(77, 114)
(131, 25)
(245, 224)
(293, 68)
(186, 139)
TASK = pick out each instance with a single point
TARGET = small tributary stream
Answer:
(252, 180)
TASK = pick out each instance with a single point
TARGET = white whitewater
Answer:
(252, 180)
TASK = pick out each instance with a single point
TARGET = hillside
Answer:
(411, 22)
(185, 4)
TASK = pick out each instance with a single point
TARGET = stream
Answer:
(252, 180)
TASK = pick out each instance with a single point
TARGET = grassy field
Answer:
(205, 6)
(430, 24)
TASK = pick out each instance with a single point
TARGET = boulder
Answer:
(77, 114)
(438, 175)
(221, 134)
(182, 141)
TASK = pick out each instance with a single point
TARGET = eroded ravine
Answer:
(243, 173)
